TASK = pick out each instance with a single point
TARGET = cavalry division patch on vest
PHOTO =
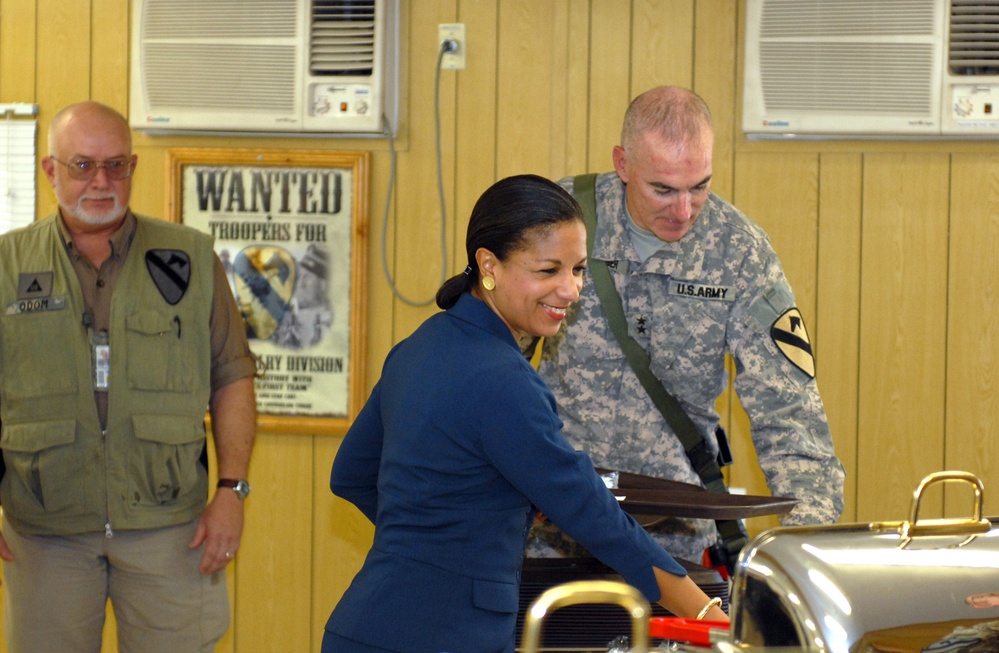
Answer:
(171, 272)
(791, 338)
(264, 279)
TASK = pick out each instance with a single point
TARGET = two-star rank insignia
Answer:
(170, 270)
(791, 338)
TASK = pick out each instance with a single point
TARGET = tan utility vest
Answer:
(145, 470)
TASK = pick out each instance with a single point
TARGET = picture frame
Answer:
(290, 227)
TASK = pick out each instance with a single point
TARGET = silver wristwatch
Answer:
(240, 486)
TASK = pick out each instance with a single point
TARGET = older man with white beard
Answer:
(116, 332)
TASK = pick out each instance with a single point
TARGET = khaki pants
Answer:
(57, 590)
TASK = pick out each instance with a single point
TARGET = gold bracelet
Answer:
(704, 611)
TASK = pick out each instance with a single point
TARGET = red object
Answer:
(678, 629)
(706, 561)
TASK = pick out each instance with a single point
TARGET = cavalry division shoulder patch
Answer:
(791, 338)
(170, 270)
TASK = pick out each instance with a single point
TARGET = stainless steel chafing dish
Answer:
(913, 586)
(916, 585)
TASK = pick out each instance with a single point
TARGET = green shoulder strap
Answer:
(704, 463)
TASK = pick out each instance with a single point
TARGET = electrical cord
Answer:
(448, 45)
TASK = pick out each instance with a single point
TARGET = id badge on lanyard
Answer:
(100, 354)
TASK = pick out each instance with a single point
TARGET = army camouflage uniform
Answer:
(719, 289)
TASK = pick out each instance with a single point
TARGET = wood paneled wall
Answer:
(892, 246)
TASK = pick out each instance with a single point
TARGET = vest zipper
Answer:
(108, 533)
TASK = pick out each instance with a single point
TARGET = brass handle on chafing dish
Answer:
(588, 591)
(976, 525)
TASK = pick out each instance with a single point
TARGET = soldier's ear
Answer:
(620, 162)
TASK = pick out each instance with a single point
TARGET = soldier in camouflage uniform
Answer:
(697, 280)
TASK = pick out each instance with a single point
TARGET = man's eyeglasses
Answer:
(86, 169)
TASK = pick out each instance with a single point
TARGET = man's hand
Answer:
(219, 529)
(234, 421)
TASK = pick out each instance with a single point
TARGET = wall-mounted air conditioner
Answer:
(264, 66)
(871, 69)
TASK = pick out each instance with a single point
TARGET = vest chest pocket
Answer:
(157, 357)
(31, 366)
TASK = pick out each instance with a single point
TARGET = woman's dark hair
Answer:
(503, 219)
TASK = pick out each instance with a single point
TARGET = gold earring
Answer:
(488, 283)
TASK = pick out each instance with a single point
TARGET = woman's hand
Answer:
(681, 596)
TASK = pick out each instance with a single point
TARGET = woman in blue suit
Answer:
(460, 444)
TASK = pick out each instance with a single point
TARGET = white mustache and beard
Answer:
(89, 216)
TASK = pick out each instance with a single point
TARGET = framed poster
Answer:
(290, 229)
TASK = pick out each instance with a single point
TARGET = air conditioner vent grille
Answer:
(847, 78)
(305, 67)
(342, 37)
(220, 76)
(219, 19)
(797, 19)
(974, 37)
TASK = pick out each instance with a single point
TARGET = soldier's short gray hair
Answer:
(677, 114)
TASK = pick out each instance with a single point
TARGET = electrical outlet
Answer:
(455, 32)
